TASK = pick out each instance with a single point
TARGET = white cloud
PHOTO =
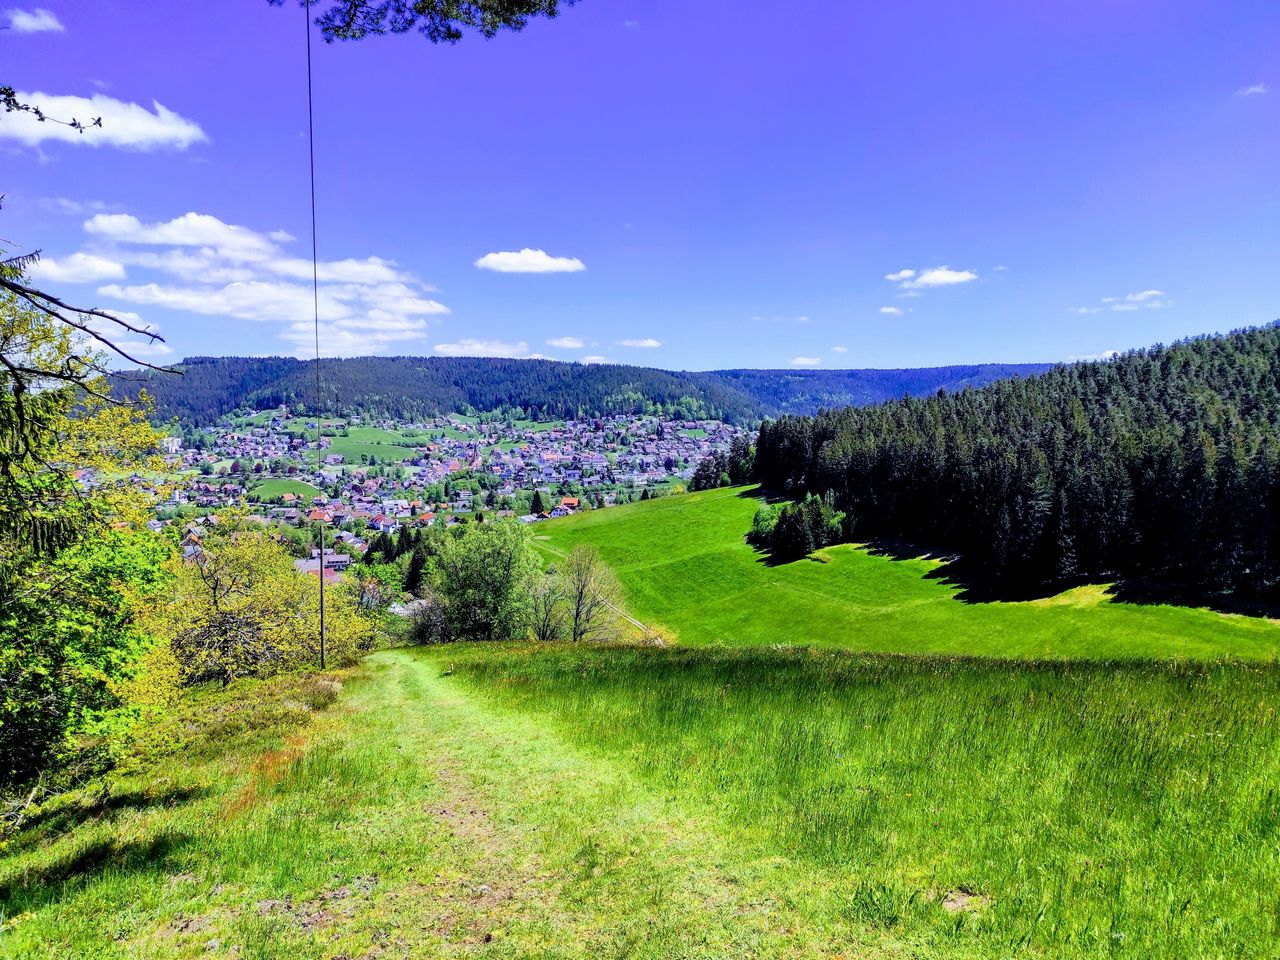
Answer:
(469, 347)
(225, 270)
(1254, 90)
(935, 277)
(806, 361)
(566, 343)
(1084, 310)
(128, 125)
(1144, 295)
(595, 359)
(77, 268)
(529, 260)
(225, 240)
(892, 311)
(34, 21)
(839, 349)
(1104, 355)
(900, 276)
(647, 343)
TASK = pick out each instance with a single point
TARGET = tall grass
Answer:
(1004, 808)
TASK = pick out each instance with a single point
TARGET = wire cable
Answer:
(315, 303)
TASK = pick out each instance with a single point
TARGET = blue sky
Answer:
(679, 183)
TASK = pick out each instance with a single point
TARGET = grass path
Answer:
(409, 820)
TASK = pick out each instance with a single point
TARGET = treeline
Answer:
(414, 388)
(1163, 463)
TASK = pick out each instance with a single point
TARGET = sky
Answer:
(688, 184)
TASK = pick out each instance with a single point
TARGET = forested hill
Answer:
(1163, 463)
(415, 387)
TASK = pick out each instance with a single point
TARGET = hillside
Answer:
(1159, 465)
(416, 387)
(685, 565)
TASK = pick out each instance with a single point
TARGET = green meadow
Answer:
(684, 564)
(276, 487)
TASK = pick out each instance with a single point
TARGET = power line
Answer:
(315, 301)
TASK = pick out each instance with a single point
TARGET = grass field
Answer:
(276, 487)
(613, 802)
(684, 564)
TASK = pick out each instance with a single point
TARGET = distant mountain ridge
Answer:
(412, 388)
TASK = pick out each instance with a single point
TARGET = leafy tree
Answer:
(73, 555)
(484, 577)
(238, 608)
(547, 613)
(440, 21)
(413, 578)
(592, 595)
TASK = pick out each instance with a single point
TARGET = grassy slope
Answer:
(684, 564)
(657, 803)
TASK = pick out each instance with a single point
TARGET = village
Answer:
(363, 477)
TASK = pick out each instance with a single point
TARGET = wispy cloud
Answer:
(469, 347)
(567, 343)
(34, 21)
(77, 268)
(891, 311)
(1253, 90)
(839, 349)
(1143, 299)
(128, 125)
(595, 359)
(647, 343)
(806, 361)
(529, 260)
(802, 318)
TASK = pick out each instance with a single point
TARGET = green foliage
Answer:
(483, 577)
(733, 467)
(74, 560)
(70, 638)
(238, 608)
(440, 21)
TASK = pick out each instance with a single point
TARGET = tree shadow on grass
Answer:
(761, 494)
(65, 814)
(1146, 591)
(35, 886)
(973, 584)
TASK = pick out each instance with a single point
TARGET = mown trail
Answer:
(563, 856)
